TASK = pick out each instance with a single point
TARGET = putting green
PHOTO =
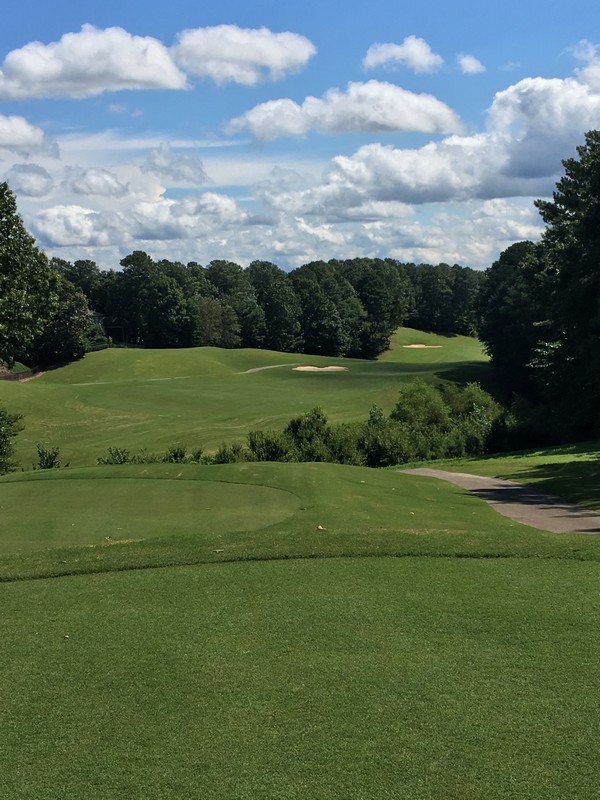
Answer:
(40, 513)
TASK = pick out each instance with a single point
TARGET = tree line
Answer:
(335, 308)
(539, 314)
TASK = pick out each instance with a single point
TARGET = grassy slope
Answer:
(571, 471)
(466, 669)
(286, 661)
(145, 398)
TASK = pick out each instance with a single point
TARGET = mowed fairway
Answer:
(203, 397)
(284, 631)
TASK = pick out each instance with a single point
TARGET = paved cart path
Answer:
(522, 503)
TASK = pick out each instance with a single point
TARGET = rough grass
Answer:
(205, 396)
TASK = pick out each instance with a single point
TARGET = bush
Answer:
(270, 446)
(176, 454)
(230, 454)
(116, 455)
(48, 457)
(10, 426)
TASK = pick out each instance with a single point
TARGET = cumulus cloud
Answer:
(73, 225)
(544, 120)
(95, 181)
(372, 107)
(187, 218)
(175, 167)
(18, 134)
(88, 63)
(587, 52)
(226, 53)
(413, 53)
(469, 65)
(30, 180)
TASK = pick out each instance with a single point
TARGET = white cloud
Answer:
(78, 226)
(88, 63)
(587, 52)
(95, 182)
(469, 65)
(413, 53)
(175, 167)
(30, 180)
(373, 107)
(188, 218)
(241, 55)
(18, 134)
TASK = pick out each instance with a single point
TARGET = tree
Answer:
(236, 290)
(10, 425)
(28, 287)
(513, 309)
(570, 362)
(64, 336)
(280, 306)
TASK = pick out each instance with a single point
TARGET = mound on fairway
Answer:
(206, 396)
(70, 508)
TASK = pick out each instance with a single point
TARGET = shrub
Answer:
(229, 454)
(48, 457)
(270, 446)
(176, 454)
(10, 426)
(115, 455)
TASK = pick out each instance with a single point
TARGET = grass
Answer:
(569, 471)
(283, 631)
(205, 396)
(347, 678)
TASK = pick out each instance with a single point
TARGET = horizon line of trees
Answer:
(337, 308)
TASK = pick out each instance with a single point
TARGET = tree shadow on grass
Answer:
(467, 372)
(577, 481)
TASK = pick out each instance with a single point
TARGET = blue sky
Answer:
(292, 132)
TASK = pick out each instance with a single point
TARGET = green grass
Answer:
(569, 471)
(155, 398)
(334, 679)
(283, 631)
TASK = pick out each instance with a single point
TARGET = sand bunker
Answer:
(422, 346)
(320, 369)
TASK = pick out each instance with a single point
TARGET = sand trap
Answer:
(423, 346)
(320, 369)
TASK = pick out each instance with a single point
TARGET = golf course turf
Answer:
(283, 631)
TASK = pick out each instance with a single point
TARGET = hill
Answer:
(205, 396)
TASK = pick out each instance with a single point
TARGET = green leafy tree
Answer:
(569, 362)
(64, 336)
(28, 287)
(280, 306)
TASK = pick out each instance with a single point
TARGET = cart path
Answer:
(521, 503)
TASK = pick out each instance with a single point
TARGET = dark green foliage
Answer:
(28, 286)
(540, 310)
(280, 306)
(236, 290)
(64, 336)
(230, 454)
(176, 454)
(514, 305)
(10, 426)
(115, 455)
(48, 457)
(270, 446)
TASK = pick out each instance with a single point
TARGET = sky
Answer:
(291, 132)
